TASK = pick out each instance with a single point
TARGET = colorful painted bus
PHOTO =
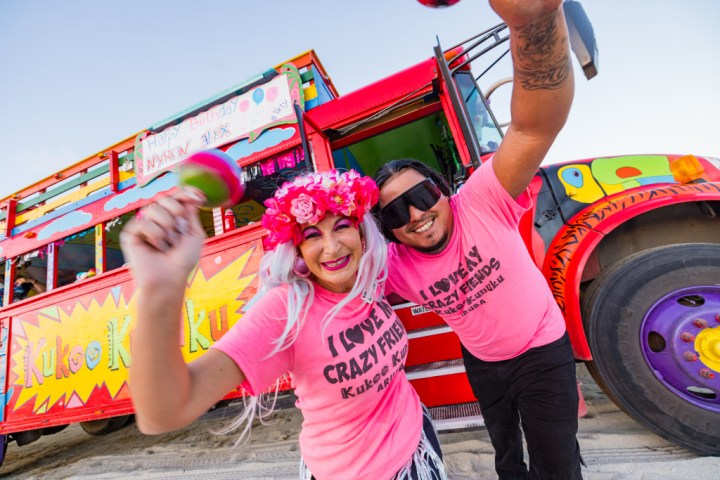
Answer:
(629, 244)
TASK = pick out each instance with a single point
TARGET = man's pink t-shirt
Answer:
(484, 284)
(361, 417)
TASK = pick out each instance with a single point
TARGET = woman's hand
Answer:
(162, 243)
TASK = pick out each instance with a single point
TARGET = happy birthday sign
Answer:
(242, 116)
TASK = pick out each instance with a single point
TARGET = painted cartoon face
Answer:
(332, 250)
(427, 229)
(580, 185)
(587, 183)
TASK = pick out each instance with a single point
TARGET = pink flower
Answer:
(280, 225)
(304, 209)
(343, 201)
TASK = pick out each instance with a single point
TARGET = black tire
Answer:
(616, 307)
(104, 425)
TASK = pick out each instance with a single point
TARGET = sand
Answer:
(613, 446)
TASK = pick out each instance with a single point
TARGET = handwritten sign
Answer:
(242, 116)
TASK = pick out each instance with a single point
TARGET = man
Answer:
(462, 257)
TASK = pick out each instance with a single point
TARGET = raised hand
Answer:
(162, 244)
(543, 87)
(518, 13)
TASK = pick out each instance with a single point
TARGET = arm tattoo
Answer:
(542, 64)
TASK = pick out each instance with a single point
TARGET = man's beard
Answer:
(437, 247)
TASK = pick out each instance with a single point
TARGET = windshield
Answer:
(487, 133)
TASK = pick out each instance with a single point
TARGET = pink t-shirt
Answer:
(484, 284)
(361, 417)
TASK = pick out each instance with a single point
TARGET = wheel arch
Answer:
(584, 246)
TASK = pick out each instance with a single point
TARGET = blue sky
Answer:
(81, 75)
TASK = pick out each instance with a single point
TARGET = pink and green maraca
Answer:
(216, 175)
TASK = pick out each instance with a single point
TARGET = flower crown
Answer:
(308, 198)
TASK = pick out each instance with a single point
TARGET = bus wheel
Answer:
(105, 425)
(653, 325)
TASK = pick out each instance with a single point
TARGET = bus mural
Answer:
(75, 354)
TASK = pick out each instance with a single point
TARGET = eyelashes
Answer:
(313, 232)
(344, 223)
(310, 233)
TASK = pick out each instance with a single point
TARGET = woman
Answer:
(318, 315)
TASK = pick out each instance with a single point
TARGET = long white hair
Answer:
(276, 269)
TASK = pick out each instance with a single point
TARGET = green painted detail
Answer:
(605, 170)
(307, 76)
(294, 79)
(22, 206)
(117, 332)
(197, 341)
(138, 156)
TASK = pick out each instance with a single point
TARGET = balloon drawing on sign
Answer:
(258, 95)
(244, 105)
(271, 94)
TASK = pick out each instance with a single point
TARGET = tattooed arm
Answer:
(543, 87)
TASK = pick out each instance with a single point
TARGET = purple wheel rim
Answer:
(680, 339)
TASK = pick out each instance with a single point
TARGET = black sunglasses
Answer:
(422, 196)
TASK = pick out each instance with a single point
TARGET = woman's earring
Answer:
(301, 269)
(362, 245)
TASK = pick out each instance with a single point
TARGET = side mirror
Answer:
(582, 37)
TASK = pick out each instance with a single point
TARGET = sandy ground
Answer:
(614, 447)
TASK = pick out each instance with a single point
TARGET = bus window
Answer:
(247, 213)
(114, 257)
(113, 254)
(76, 257)
(427, 139)
(487, 132)
(30, 275)
(208, 222)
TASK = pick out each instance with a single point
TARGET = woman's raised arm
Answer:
(162, 246)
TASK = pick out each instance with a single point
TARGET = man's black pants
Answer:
(537, 389)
